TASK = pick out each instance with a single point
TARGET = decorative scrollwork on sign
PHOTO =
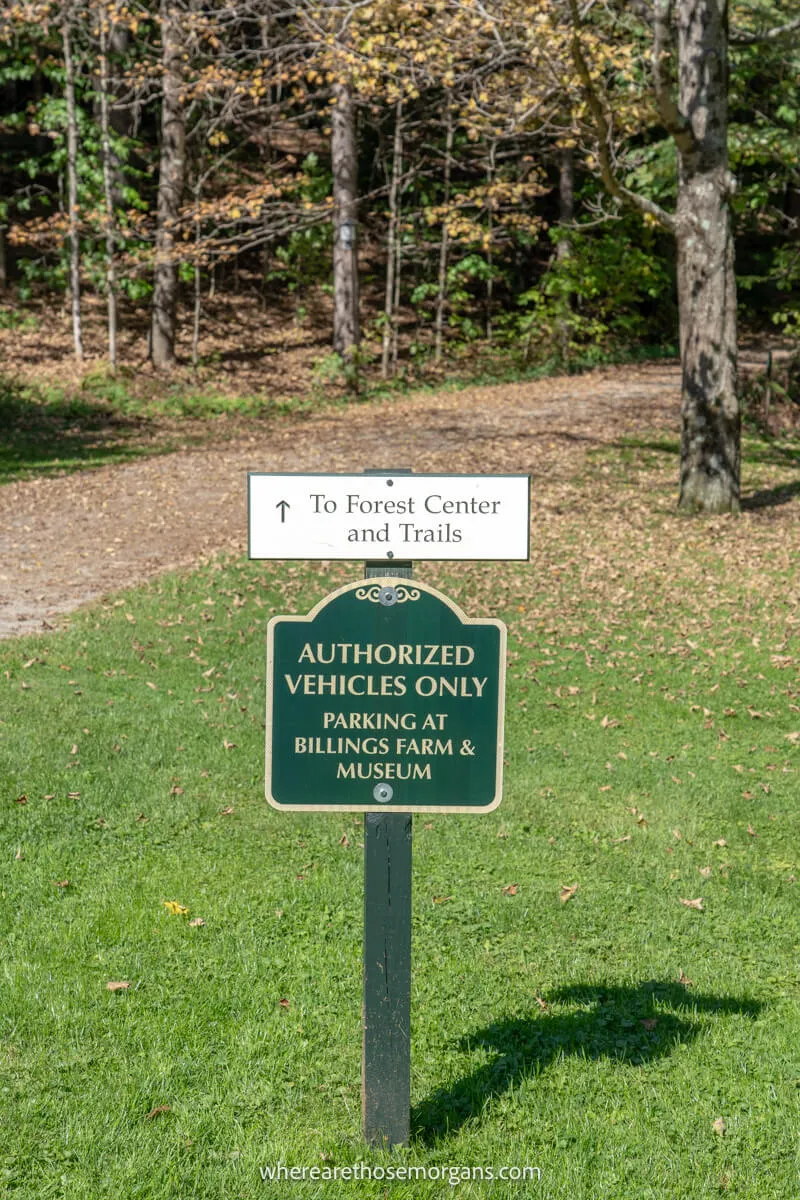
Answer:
(372, 593)
(387, 595)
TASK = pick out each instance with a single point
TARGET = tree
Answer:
(171, 180)
(344, 158)
(72, 182)
(695, 115)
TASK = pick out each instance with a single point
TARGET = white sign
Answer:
(433, 517)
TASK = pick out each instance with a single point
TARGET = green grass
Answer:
(46, 431)
(647, 720)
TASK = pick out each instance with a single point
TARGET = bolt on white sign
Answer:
(401, 516)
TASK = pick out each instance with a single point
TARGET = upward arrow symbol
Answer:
(283, 505)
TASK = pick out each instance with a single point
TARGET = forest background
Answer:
(395, 187)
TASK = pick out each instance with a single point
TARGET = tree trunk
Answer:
(171, 177)
(3, 259)
(198, 299)
(108, 189)
(72, 190)
(490, 172)
(566, 215)
(441, 293)
(346, 332)
(391, 254)
(710, 417)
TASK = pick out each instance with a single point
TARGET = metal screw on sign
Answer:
(388, 596)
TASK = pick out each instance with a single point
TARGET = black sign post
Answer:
(386, 1012)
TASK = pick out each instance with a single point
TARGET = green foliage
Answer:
(334, 372)
(304, 260)
(601, 294)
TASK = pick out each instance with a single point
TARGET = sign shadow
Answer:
(631, 1025)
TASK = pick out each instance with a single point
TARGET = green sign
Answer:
(385, 696)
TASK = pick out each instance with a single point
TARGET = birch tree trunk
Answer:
(171, 178)
(346, 331)
(389, 306)
(72, 188)
(710, 416)
(441, 294)
(108, 189)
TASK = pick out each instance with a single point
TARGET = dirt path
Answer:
(68, 540)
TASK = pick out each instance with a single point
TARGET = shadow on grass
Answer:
(42, 432)
(631, 1025)
(771, 497)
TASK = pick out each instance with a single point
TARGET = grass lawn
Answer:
(622, 1040)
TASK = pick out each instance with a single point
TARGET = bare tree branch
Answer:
(597, 109)
(766, 35)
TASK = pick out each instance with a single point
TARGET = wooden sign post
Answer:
(388, 700)
(386, 1008)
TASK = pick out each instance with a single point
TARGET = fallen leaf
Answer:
(21, 800)
(609, 723)
(62, 883)
(284, 1003)
(677, 834)
(794, 738)
(649, 1023)
(719, 842)
(74, 749)
(177, 910)
(73, 795)
(510, 889)
(719, 1126)
(196, 921)
(567, 892)
(226, 812)
(344, 840)
(627, 838)
(751, 831)
(117, 985)
(159, 1111)
(698, 903)
(228, 745)
(502, 832)
(542, 1003)
(152, 685)
(685, 980)
(704, 871)
(19, 855)
(441, 899)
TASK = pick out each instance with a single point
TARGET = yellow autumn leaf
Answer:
(177, 910)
